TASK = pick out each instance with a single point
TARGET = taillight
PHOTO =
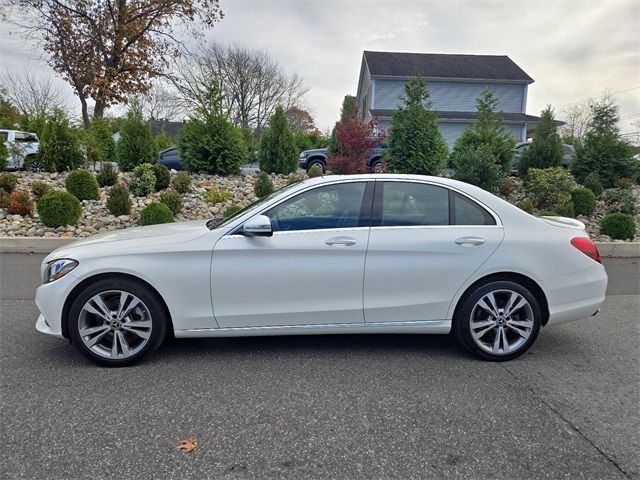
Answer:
(586, 246)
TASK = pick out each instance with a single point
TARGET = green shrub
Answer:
(526, 204)
(489, 131)
(82, 185)
(618, 226)
(277, 150)
(155, 213)
(620, 200)
(163, 140)
(315, 171)
(59, 145)
(99, 143)
(584, 201)
(507, 187)
(479, 166)
(416, 144)
(136, 145)
(208, 141)
(118, 201)
(39, 189)
(217, 195)
(231, 210)
(624, 182)
(172, 199)
(549, 187)
(20, 203)
(263, 186)
(59, 208)
(592, 182)
(8, 182)
(163, 176)
(546, 149)
(564, 206)
(4, 199)
(143, 181)
(107, 175)
(4, 156)
(181, 182)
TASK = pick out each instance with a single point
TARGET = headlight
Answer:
(58, 269)
(303, 155)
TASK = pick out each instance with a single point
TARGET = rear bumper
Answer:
(577, 295)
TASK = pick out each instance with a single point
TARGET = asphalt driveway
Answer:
(378, 406)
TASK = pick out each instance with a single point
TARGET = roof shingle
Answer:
(440, 65)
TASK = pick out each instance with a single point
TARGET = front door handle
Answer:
(470, 241)
(341, 242)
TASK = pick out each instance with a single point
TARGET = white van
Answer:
(22, 146)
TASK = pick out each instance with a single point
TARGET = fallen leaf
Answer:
(188, 445)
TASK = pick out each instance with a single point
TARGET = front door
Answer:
(425, 241)
(310, 272)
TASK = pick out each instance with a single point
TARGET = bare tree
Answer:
(253, 84)
(32, 96)
(299, 119)
(577, 117)
(160, 103)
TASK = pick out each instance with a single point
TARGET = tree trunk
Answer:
(98, 110)
(85, 112)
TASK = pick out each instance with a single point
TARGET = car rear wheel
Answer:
(117, 322)
(377, 166)
(498, 321)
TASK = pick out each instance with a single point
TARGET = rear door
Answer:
(425, 241)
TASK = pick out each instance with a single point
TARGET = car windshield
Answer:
(219, 223)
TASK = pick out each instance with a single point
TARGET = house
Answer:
(455, 81)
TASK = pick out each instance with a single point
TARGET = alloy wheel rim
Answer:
(501, 322)
(115, 324)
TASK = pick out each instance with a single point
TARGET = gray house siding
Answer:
(453, 96)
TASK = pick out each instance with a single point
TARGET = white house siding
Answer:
(453, 96)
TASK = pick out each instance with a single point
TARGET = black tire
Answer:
(463, 318)
(377, 166)
(159, 319)
(312, 163)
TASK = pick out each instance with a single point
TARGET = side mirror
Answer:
(258, 226)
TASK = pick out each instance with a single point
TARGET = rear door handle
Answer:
(470, 241)
(341, 242)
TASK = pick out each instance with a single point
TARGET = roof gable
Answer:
(439, 65)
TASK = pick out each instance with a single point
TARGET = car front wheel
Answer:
(498, 321)
(316, 163)
(117, 322)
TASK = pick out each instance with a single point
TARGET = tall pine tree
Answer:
(278, 153)
(136, 145)
(546, 149)
(416, 145)
(603, 150)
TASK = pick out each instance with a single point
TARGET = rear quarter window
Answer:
(468, 212)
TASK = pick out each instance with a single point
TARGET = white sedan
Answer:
(354, 254)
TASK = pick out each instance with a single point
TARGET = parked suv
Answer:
(569, 152)
(318, 156)
(22, 147)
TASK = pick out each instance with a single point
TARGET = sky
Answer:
(574, 50)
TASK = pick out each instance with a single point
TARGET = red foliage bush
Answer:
(356, 140)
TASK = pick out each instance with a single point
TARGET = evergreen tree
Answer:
(546, 149)
(415, 143)
(489, 130)
(99, 143)
(603, 150)
(349, 109)
(59, 145)
(136, 145)
(208, 141)
(278, 152)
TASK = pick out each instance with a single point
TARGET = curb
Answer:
(49, 244)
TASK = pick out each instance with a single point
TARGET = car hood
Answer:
(165, 234)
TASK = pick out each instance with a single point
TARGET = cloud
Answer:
(572, 49)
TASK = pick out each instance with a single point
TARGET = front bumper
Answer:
(50, 298)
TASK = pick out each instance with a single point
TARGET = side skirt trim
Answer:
(423, 326)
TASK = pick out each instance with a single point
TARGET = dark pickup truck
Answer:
(309, 158)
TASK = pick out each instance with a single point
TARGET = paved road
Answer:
(379, 406)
